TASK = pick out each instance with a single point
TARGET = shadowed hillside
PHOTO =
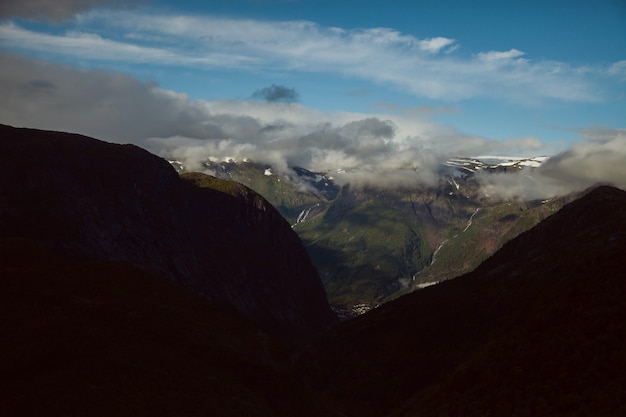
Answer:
(538, 329)
(96, 338)
(87, 199)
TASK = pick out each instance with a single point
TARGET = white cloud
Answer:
(435, 44)
(499, 56)
(600, 159)
(92, 46)
(379, 55)
(618, 69)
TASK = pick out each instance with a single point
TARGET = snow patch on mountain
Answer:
(178, 166)
(485, 162)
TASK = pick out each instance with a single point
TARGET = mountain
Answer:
(537, 329)
(371, 245)
(102, 338)
(88, 231)
(86, 199)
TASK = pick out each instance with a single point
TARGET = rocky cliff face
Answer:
(83, 198)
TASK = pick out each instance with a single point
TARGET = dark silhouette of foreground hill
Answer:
(98, 338)
(536, 330)
(86, 199)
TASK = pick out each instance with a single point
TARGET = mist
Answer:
(599, 159)
(374, 149)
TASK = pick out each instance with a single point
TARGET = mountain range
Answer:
(130, 290)
(373, 244)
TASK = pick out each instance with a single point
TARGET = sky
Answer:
(383, 90)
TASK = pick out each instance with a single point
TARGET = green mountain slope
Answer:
(366, 251)
(372, 245)
(489, 227)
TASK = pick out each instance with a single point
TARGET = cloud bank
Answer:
(362, 149)
(599, 159)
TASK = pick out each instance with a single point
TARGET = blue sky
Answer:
(451, 77)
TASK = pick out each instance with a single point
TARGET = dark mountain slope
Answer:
(538, 329)
(96, 338)
(87, 199)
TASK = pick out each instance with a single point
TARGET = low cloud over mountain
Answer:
(376, 148)
(600, 158)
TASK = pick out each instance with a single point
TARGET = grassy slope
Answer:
(365, 252)
(370, 247)
(282, 194)
(207, 181)
(492, 226)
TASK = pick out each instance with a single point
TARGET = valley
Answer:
(371, 245)
(306, 208)
(536, 329)
(138, 291)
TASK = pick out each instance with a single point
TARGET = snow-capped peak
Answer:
(493, 162)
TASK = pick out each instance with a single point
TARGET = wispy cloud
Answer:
(49, 9)
(435, 45)
(419, 111)
(423, 67)
(618, 69)
(93, 46)
(499, 56)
